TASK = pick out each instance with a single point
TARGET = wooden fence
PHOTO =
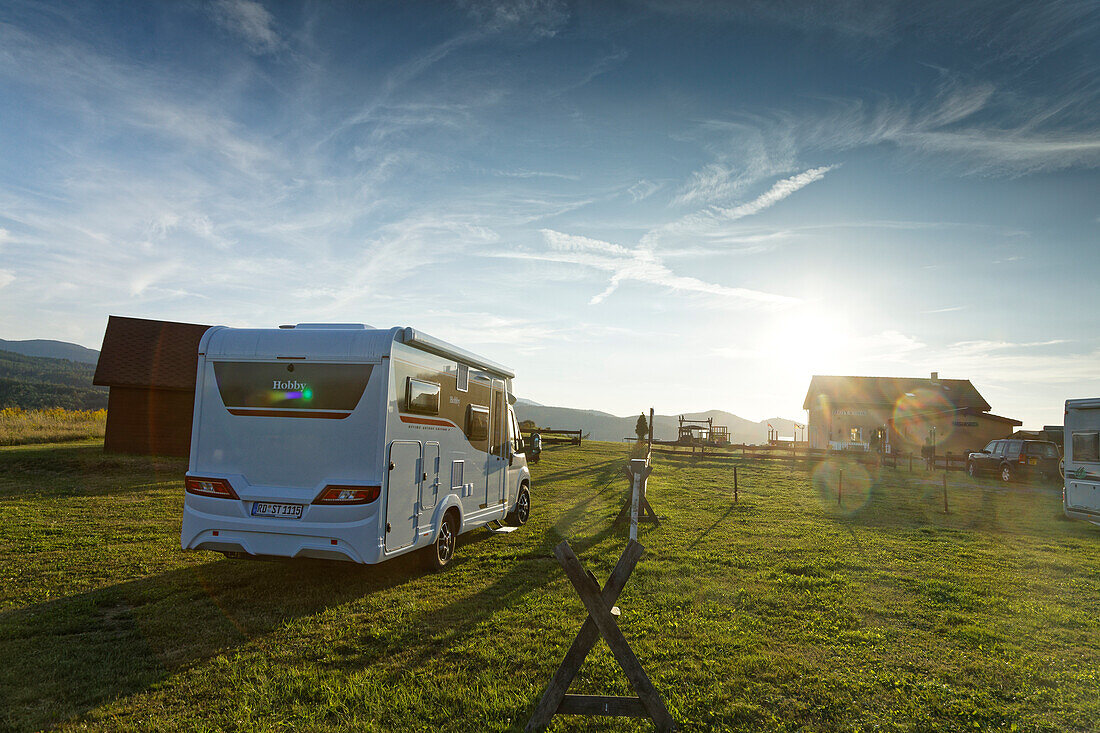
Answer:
(910, 461)
(550, 435)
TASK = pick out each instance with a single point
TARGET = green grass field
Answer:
(783, 612)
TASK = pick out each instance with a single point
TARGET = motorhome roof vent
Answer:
(335, 326)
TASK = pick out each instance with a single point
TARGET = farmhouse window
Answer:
(422, 397)
(1086, 447)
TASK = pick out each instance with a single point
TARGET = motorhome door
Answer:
(496, 469)
(429, 487)
(1082, 464)
(402, 494)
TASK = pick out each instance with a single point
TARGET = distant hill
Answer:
(35, 382)
(605, 426)
(51, 349)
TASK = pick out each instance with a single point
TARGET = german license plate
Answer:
(280, 511)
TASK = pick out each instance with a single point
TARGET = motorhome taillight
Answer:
(210, 487)
(348, 495)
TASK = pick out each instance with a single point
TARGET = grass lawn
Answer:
(783, 612)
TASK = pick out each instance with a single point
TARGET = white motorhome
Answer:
(1081, 493)
(347, 442)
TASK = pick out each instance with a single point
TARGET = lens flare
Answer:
(917, 417)
(851, 480)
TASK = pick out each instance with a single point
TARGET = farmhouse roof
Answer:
(143, 353)
(1009, 420)
(888, 390)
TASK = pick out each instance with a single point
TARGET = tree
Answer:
(641, 428)
(527, 425)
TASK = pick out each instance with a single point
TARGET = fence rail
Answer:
(912, 461)
(551, 435)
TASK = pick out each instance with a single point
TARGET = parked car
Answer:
(1017, 460)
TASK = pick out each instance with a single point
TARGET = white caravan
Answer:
(1081, 493)
(347, 442)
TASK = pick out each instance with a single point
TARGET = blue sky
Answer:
(632, 205)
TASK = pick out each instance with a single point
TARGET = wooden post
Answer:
(640, 509)
(600, 622)
(910, 462)
(945, 490)
(840, 487)
(735, 484)
(637, 468)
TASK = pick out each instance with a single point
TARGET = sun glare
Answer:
(813, 342)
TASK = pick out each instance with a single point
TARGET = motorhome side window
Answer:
(422, 397)
(1086, 447)
(477, 423)
(514, 434)
(462, 379)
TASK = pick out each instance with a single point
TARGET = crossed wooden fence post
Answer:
(638, 473)
(600, 623)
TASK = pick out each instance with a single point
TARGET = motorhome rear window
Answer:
(421, 396)
(1086, 447)
(477, 423)
(291, 390)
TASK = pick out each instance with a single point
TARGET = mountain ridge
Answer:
(40, 382)
(51, 349)
(599, 425)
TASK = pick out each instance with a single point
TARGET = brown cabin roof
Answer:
(142, 353)
(888, 390)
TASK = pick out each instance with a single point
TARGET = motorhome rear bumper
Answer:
(1084, 515)
(279, 537)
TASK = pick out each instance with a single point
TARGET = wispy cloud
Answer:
(713, 222)
(643, 189)
(779, 191)
(543, 18)
(638, 265)
(251, 21)
(536, 174)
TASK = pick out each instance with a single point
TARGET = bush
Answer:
(53, 425)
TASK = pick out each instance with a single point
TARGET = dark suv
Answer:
(1016, 459)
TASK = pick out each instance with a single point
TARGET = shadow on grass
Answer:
(68, 656)
(90, 471)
